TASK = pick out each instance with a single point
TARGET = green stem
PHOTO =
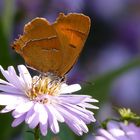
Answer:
(36, 134)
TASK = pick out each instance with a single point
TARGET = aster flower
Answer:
(118, 131)
(44, 101)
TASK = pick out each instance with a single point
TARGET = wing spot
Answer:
(72, 46)
(76, 31)
(51, 49)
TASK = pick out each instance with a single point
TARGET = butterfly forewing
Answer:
(37, 29)
(42, 58)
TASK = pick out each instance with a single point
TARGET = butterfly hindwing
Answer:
(72, 30)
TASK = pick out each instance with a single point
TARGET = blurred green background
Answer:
(108, 68)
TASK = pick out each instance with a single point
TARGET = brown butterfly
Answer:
(53, 47)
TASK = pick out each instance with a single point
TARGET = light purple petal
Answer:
(24, 73)
(8, 108)
(43, 129)
(73, 99)
(34, 122)
(18, 121)
(119, 131)
(30, 115)
(100, 138)
(73, 109)
(15, 79)
(66, 114)
(73, 119)
(52, 120)
(76, 129)
(114, 129)
(91, 100)
(70, 88)
(104, 133)
(3, 82)
(8, 76)
(7, 99)
(10, 89)
(24, 107)
(85, 111)
(5, 73)
(16, 113)
(87, 105)
(75, 96)
(58, 115)
(77, 115)
(43, 115)
(32, 118)
(83, 126)
(132, 131)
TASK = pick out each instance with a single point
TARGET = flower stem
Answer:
(36, 134)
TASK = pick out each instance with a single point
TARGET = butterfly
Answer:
(53, 47)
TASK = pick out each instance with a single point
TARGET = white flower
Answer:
(118, 131)
(43, 101)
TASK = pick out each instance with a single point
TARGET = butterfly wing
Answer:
(72, 31)
(53, 48)
(32, 30)
(40, 46)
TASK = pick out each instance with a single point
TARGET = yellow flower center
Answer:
(44, 85)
